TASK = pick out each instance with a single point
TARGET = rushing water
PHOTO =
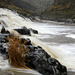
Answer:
(57, 39)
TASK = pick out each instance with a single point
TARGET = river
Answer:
(57, 39)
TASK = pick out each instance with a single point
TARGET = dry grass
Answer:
(16, 52)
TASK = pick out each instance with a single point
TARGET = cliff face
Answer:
(61, 10)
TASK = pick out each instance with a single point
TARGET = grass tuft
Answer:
(16, 52)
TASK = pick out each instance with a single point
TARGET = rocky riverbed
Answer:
(28, 56)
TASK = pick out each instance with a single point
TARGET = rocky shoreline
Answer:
(22, 53)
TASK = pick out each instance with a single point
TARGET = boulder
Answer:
(27, 41)
(3, 40)
(3, 31)
(44, 63)
(34, 31)
(23, 31)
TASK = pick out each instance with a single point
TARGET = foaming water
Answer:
(71, 35)
(12, 20)
(3, 63)
(6, 69)
(53, 36)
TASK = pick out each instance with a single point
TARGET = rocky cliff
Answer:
(61, 10)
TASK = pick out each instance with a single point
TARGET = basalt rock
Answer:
(44, 63)
(28, 41)
(34, 31)
(23, 31)
(3, 31)
(3, 46)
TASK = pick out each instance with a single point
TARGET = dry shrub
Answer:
(16, 52)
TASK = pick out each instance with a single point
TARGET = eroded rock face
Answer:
(25, 31)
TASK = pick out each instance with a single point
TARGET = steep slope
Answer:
(24, 5)
(34, 6)
(61, 10)
(9, 5)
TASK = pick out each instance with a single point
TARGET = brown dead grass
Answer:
(16, 52)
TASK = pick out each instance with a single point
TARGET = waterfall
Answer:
(11, 20)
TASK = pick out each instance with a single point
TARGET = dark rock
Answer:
(34, 31)
(36, 58)
(23, 31)
(4, 38)
(43, 63)
(28, 41)
(39, 46)
(2, 50)
(3, 45)
(3, 31)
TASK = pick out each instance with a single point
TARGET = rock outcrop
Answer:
(22, 54)
(23, 31)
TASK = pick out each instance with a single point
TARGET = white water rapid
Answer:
(56, 39)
